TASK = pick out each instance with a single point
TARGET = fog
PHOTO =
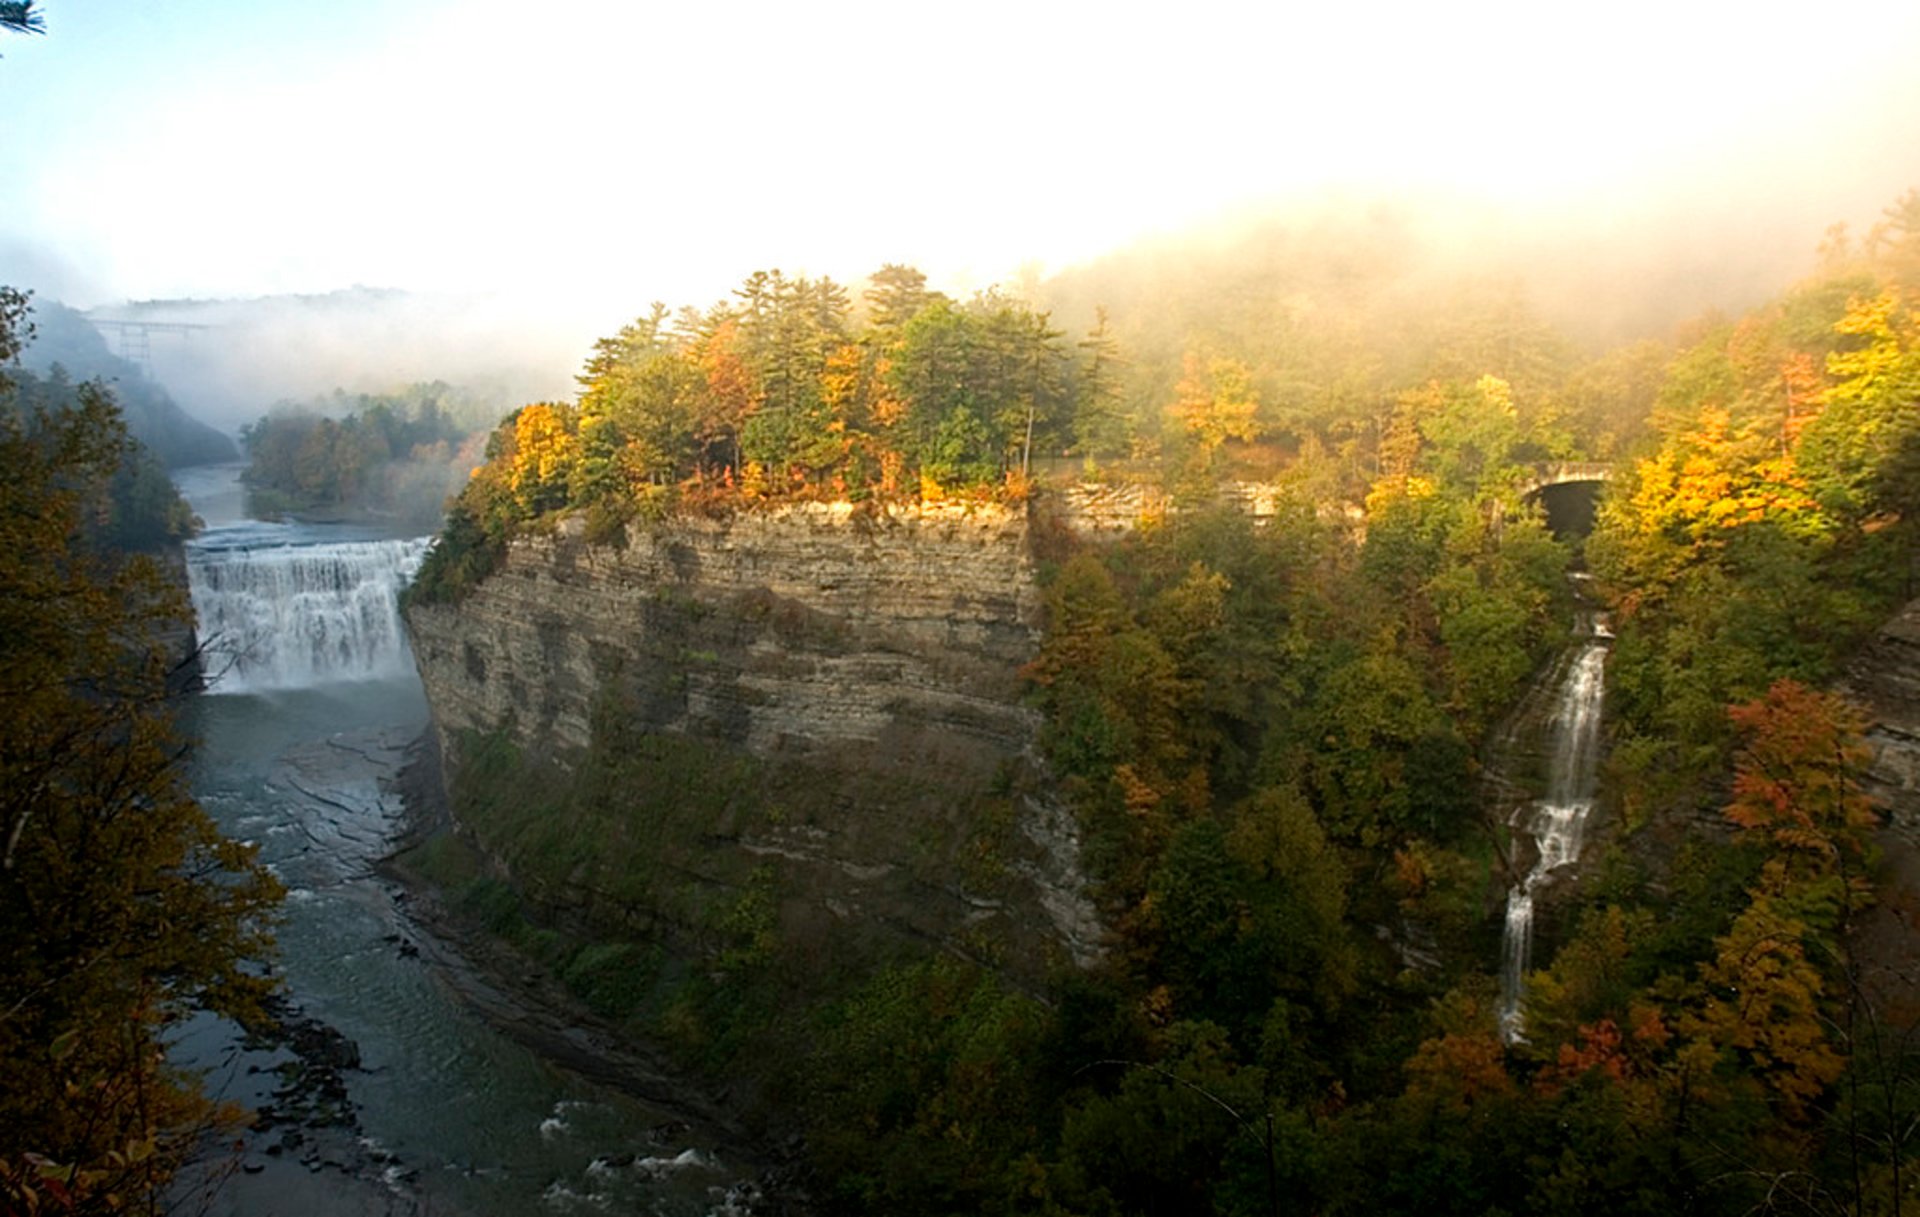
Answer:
(1602, 279)
(258, 352)
(511, 190)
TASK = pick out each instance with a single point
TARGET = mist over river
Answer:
(405, 1095)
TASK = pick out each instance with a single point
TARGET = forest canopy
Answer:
(395, 456)
(1276, 735)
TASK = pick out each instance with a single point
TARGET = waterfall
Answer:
(1556, 823)
(276, 612)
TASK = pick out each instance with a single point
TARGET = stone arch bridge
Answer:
(1563, 472)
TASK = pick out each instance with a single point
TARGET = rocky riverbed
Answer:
(412, 1066)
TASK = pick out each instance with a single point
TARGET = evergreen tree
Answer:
(1099, 421)
(21, 17)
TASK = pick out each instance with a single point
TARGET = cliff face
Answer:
(863, 666)
(1885, 683)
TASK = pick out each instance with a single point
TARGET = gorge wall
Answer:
(1884, 682)
(820, 703)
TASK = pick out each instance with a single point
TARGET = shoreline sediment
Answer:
(520, 999)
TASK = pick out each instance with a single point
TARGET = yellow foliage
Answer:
(1497, 394)
(1879, 320)
(1215, 402)
(1706, 482)
(843, 380)
(546, 447)
(1763, 1003)
(1389, 490)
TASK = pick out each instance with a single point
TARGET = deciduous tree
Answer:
(122, 907)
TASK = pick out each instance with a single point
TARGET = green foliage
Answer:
(463, 554)
(21, 17)
(1156, 1140)
(921, 1092)
(1773, 526)
(612, 978)
(136, 508)
(771, 394)
(1273, 735)
(398, 454)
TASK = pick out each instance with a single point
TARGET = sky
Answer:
(578, 160)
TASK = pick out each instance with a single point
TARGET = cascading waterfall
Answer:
(1557, 823)
(276, 613)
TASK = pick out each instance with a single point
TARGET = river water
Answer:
(313, 705)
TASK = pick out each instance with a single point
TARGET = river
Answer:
(399, 1095)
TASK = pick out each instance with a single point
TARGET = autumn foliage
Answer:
(122, 907)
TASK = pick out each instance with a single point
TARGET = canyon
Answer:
(827, 701)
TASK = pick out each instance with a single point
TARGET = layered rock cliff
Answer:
(1884, 681)
(861, 664)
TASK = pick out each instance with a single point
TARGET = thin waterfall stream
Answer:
(1556, 822)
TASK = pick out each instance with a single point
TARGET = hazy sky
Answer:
(605, 154)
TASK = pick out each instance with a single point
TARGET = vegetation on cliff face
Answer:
(1273, 736)
(1773, 520)
(122, 908)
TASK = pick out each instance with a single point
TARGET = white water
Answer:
(448, 1116)
(1557, 823)
(279, 609)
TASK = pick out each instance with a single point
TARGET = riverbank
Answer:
(522, 1000)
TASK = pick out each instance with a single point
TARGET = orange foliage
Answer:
(1599, 1048)
(1806, 389)
(1141, 796)
(731, 394)
(1707, 482)
(1457, 1071)
(1649, 1026)
(1797, 775)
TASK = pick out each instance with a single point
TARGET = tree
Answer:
(894, 294)
(1896, 240)
(122, 907)
(21, 17)
(1100, 424)
(1215, 402)
(15, 330)
(1797, 783)
(545, 452)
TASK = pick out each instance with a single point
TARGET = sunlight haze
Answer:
(613, 154)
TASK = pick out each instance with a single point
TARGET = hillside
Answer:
(705, 652)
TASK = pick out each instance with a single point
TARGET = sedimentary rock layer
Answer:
(867, 659)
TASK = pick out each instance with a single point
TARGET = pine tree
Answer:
(21, 18)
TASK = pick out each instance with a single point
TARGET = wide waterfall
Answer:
(1557, 823)
(279, 609)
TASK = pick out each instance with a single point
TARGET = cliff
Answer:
(817, 704)
(1884, 681)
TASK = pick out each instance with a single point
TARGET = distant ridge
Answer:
(63, 336)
